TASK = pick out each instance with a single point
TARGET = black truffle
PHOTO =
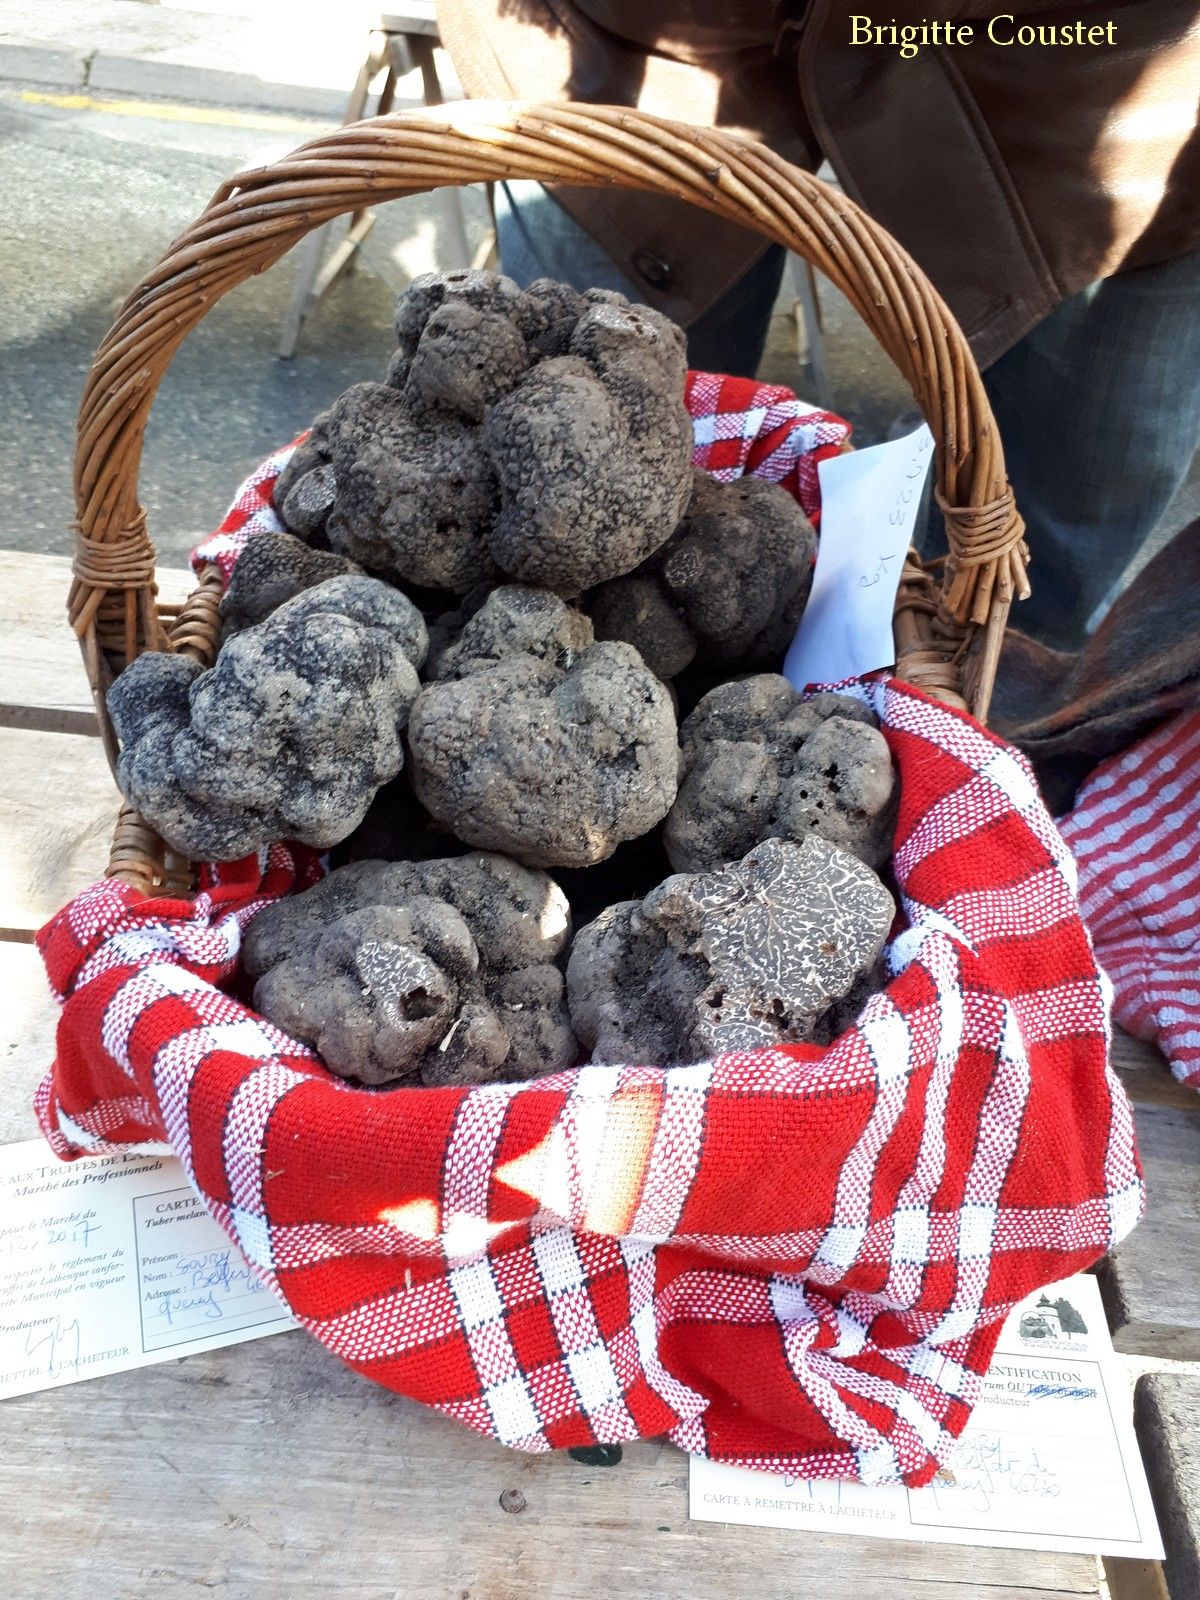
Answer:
(760, 762)
(593, 452)
(730, 585)
(434, 971)
(537, 742)
(272, 568)
(287, 736)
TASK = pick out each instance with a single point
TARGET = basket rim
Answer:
(948, 638)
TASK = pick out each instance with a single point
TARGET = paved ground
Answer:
(92, 197)
(91, 200)
(281, 55)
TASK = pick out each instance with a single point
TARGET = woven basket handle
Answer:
(950, 644)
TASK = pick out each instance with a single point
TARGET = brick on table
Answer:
(1167, 1416)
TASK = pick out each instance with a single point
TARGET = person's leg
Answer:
(1099, 412)
(732, 334)
(538, 239)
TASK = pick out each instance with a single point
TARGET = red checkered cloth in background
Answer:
(797, 1259)
(1135, 832)
(748, 429)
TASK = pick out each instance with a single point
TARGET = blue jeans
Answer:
(1098, 406)
(1099, 411)
(538, 239)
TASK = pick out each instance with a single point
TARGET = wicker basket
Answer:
(947, 639)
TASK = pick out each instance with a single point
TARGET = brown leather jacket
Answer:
(1015, 173)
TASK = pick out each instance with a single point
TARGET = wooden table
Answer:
(268, 1470)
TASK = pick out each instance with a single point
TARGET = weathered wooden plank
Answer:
(42, 681)
(1143, 1070)
(1151, 1282)
(268, 1470)
(1167, 1417)
(58, 805)
(1136, 1057)
(28, 1018)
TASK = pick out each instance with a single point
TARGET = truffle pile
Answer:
(538, 433)
(462, 669)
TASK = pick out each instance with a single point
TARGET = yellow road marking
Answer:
(163, 111)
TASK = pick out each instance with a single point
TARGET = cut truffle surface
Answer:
(747, 956)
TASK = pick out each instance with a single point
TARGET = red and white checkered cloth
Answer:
(797, 1259)
(1135, 832)
(747, 429)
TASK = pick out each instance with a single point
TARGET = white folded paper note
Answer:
(869, 501)
(113, 1263)
(1048, 1461)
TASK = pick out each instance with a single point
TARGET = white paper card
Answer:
(869, 501)
(113, 1263)
(1048, 1461)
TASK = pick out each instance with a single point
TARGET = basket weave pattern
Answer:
(948, 638)
(795, 1258)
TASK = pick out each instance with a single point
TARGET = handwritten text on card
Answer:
(113, 1263)
(869, 503)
